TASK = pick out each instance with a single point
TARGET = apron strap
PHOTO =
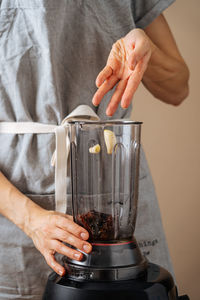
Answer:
(59, 158)
(61, 169)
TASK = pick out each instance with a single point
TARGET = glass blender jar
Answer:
(104, 158)
(104, 180)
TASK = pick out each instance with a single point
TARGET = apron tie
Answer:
(61, 168)
(59, 158)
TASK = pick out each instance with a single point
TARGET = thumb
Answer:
(141, 48)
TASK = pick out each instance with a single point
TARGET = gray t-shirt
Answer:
(51, 52)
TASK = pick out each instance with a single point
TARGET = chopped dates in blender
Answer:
(99, 225)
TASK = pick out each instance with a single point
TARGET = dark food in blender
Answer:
(99, 225)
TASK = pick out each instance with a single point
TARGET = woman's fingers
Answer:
(51, 261)
(116, 98)
(68, 238)
(49, 233)
(65, 215)
(61, 248)
(131, 87)
(103, 75)
(104, 88)
(127, 60)
(71, 227)
(134, 81)
(125, 90)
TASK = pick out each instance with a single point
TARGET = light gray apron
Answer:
(51, 52)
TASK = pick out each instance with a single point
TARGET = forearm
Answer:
(166, 77)
(167, 74)
(15, 206)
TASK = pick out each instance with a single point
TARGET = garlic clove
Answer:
(110, 140)
(95, 149)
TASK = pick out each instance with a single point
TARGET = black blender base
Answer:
(157, 285)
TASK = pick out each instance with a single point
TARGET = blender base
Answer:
(157, 284)
(114, 261)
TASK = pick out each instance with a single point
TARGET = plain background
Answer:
(171, 139)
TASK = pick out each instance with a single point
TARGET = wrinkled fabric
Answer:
(51, 52)
(23, 270)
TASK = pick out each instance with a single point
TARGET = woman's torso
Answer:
(51, 52)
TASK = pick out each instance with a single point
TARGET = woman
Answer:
(51, 52)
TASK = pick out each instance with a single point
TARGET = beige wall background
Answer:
(171, 139)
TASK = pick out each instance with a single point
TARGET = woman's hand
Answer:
(49, 229)
(126, 65)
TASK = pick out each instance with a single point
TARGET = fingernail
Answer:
(124, 106)
(84, 235)
(77, 256)
(86, 248)
(96, 105)
(108, 113)
(60, 272)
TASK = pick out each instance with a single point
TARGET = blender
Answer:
(104, 167)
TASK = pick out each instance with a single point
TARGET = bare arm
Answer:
(150, 55)
(14, 205)
(167, 74)
(47, 229)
